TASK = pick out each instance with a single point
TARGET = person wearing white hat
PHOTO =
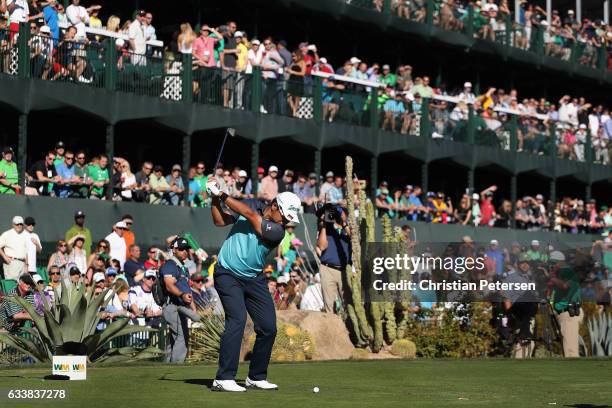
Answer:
(241, 283)
(118, 247)
(534, 252)
(566, 295)
(14, 249)
(269, 185)
(467, 95)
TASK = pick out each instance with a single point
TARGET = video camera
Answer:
(330, 213)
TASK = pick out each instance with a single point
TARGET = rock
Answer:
(330, 336)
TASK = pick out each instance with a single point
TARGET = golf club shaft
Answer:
(220, 151)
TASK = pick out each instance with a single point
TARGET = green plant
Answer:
(205, 338)
(600, 333)
(461, 331)
(403, 348)
(70, 323)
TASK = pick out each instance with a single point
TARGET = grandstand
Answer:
(148, 107)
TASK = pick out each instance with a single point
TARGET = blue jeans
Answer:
(239, 296)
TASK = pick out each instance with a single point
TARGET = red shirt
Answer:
(309, 60)
(486, 211)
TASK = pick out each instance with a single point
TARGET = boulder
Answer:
(330, 336)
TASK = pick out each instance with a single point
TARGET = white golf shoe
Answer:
(261, 385)
(227, 386)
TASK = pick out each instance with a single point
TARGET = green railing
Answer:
(498, 27)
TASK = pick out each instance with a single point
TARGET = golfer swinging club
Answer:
(241, 284)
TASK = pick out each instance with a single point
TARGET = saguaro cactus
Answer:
(353, 273)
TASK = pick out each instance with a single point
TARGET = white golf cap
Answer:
(272, 168)
(45, 29)
(557, 256)
(582, 126)
(255, 41)
(475, 196)
(119, 42)
(355, 60)
(323, 60)
(289, 205)
(467, 85)
(98, 277)
(17, 220)
(238, 34)
(494, 242)
(37, 278)
(539, 197)
(121, 224)
(242, 173)
(282, 279)
(535, 242)
(150, 272)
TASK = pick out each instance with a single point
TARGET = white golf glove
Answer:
(213, 188)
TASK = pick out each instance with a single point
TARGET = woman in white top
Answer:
(78, 255)
(254, 56)
(128, 181)
(186, 39)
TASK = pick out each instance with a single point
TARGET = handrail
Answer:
(106, 33)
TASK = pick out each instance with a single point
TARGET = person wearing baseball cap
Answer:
(13, 316)
(269, 185)
(79, 228)
(241, 284)
(14, 249)
(179, 305)
(567, 299)
(9, 176)
(118, 247)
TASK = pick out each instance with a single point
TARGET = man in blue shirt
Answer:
(241, 284)
(495, 253)
(180, 304)
(50, 16)
(66, 170)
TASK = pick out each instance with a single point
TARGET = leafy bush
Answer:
(461, 331)
(403, 348)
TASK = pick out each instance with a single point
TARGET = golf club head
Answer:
(231, 131)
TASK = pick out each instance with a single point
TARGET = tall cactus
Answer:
(353, 274)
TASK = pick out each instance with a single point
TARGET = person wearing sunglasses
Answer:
(55, 286)
(13, 316)
(60, 257)
(79, 228)
(142, 303)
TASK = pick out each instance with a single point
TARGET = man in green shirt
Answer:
(81, 171)
(99, 176)
(79, 228)
(566, 303)
(202, 179)
(387, 77)
(8, 173)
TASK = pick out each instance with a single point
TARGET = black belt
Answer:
(332, 266)
(19, 259)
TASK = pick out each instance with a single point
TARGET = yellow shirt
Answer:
(242, 57)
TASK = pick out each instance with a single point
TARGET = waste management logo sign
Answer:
(74, 367)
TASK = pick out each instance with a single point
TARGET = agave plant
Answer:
(205, 337)
(600, 332)
(69, 324)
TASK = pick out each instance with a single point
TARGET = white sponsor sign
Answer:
(74, 367)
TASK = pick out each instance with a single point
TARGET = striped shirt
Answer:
(9, 309)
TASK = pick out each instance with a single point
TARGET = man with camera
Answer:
(566, 302)
(334, 250)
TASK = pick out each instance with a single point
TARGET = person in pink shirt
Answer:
(203, 47)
